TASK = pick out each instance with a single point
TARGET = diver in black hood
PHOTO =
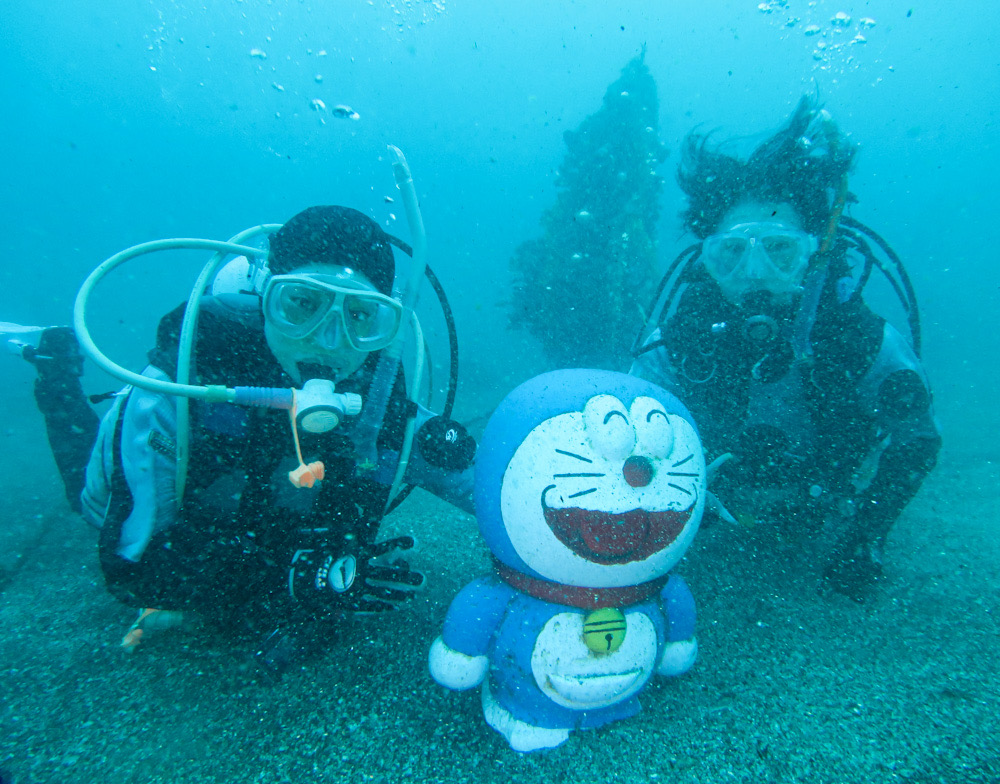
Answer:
(196, 513)
(761, 329)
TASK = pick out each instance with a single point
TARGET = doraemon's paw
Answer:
(454, 669)
(678, 657)
(520, 735)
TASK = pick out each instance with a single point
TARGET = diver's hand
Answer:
(364, 579)
(445, 443)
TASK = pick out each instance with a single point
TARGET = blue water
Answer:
(140, 120)
(132, 120)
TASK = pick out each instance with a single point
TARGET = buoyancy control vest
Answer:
(778, 383)
(238, 497)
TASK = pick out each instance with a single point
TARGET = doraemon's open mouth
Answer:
(615, 538)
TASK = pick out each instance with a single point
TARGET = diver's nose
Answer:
(332, 334)
(638, 471)
(756, 263)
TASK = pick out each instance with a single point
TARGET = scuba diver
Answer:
(817, 409)
(258, 507)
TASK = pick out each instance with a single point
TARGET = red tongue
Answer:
(619, 536)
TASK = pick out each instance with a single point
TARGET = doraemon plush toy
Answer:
(589, 488)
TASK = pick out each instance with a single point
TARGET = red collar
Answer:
(576, 596)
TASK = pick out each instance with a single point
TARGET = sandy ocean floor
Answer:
(792, 683)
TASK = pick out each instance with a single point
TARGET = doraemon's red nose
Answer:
(638, 471)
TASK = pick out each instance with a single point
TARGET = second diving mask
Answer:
(763, 251)
(312, 306)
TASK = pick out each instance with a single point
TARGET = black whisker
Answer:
(682, 462)
(578, 457)
(570, 476)
(583, 492)
(678, 487)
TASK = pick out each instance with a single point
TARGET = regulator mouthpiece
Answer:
(319, 409)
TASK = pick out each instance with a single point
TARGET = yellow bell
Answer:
(604, 630)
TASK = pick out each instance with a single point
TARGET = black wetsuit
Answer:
(226, 551)
(826, 409)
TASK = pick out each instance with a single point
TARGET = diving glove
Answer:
(366, 579)
(445, 443)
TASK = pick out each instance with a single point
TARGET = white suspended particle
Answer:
(345, 112)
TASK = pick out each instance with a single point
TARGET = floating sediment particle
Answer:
(344, 112)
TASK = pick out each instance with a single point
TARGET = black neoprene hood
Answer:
(334, 235)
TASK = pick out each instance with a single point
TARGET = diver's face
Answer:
(758, 247)
(327, 345)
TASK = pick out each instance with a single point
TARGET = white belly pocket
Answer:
(573, 676)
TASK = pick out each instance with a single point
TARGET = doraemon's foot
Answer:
(520, 735)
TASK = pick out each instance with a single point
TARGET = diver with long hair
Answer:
(819, 408)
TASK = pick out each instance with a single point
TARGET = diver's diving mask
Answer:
(307, 305)
(761, 255)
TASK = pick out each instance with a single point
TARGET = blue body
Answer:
(489, 617)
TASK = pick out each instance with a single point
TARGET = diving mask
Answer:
(306, 305)
(755, 255)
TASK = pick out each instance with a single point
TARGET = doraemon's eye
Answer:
(608, 427)
(653, 431)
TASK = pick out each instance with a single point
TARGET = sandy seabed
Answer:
(793, 683)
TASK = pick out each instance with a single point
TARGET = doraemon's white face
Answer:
(607, 497)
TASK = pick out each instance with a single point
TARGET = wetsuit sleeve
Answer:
(898, 391)
(151, 555)
(148, 460)
(449, 484)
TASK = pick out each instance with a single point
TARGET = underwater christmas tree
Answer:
(580, 288)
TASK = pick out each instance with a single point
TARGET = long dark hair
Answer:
(802, 164)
